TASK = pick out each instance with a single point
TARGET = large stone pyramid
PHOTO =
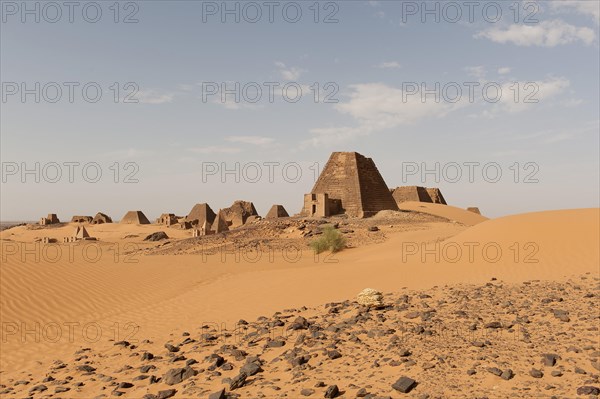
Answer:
(353, 180)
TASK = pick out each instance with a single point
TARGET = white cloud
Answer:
(560, 137)
(572, 102)
(289, 73)
(522, 96)
(230, 102)
(476, 71)
(546, 34)
(375, 107)
(254, 140)
(235, 105)
(504, 70)
(389, 65)
(591, 8)
(215, 149)
(186, 87)
(153, 97)
(128, 154)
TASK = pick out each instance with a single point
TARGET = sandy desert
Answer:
(300, 199)
(462, 306)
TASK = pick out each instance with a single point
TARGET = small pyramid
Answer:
(201, 213)
(277, 211)
(135, 217)
(220, 224)
(81, 233)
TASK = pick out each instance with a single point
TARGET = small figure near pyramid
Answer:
(277, 211)
(350, 183)
(134, 217)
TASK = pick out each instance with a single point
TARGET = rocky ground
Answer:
(277, 234)
(533, 340)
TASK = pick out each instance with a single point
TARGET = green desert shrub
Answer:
(331, 239)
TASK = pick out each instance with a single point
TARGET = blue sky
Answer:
(368, 61)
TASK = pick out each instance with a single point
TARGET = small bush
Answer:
(331, 240)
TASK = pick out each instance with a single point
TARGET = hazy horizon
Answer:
(156, 91)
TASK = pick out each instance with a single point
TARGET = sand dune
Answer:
(161, 294)
(449, 212)
(565, 240)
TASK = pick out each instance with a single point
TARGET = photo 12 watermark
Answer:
(471, 91)
(264, 253)
(253, 12)
(90, 252)
(268, 92)
(259, 172)
(456, 12)
(53, 12)
(474, 252)
(69, 92)
(69, 172)
(67, 332)
(470, 172)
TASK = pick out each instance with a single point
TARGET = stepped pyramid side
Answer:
(353, 180)
(436, 196)
(374, 193)
(411, 193)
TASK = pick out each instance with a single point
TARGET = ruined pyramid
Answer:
(237, 214)
(101, 218)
